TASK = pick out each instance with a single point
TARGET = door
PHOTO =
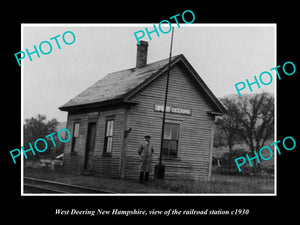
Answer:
(90, 144)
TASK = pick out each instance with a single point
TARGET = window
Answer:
(109, 130)
(170, 142)
(75, 136)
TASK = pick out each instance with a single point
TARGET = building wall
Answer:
(195, 141)
(102, 165)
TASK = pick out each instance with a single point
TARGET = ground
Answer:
(218, 184)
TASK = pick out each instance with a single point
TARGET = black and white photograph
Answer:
(159, 116)
(148, 112)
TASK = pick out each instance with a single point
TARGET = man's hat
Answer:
(147, 136)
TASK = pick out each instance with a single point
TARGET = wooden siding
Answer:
(102, 165)
(194, 151)
(195, 138)
(74, 161)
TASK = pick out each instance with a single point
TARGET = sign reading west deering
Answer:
(171, 109)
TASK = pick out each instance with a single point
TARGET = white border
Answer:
(143, 25)
(275, 117)
(22, 113)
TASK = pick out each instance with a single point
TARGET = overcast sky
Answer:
(222, 56)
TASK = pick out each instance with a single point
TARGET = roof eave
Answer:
(118, 101)
(212, 113)
(206, 89)
(182, 58)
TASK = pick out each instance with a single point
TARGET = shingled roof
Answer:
(118, 86)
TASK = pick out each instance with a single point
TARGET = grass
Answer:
(226, 184)
(218, 184)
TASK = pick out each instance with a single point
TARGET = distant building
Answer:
(110, 118)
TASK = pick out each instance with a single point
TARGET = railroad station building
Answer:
(109, 119)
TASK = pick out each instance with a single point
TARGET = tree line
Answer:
(249, 119)
(39, 127)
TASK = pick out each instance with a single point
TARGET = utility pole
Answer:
(160, 168)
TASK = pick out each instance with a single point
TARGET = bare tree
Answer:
(255, 115)
(228, 123)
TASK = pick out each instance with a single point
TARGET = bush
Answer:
(227, 162)
(227, 159)
(228, 165)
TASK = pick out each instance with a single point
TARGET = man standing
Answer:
(145, 151)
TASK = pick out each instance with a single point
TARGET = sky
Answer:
(222, 54)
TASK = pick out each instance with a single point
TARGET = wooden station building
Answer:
(109, 119)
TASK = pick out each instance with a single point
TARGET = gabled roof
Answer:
(118, 87)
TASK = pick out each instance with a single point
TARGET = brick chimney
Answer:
(141, 56)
